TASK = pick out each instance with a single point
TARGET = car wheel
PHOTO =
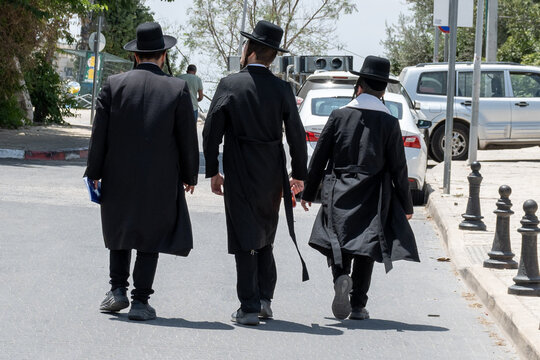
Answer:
(419, 196)
(460, 142)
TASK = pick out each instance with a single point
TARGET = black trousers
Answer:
(143, 272)
(361, 276)
(256, 278)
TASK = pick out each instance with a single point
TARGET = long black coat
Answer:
(143, 147)
(365, 191)
(250, 108)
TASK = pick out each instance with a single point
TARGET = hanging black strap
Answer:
(287, 199)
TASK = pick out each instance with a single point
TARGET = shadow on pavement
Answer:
(176, 322)
(292, 327)
(380, 324)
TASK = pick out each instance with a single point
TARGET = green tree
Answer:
(29, 27)
(213, 24)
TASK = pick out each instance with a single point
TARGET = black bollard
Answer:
(527, 280)
(501, 255)
(473, 217)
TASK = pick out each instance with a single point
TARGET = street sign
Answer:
(464, 17)
(445, 29)
(92, 38)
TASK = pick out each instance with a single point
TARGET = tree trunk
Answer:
(23, 96)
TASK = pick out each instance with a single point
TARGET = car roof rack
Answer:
(471, 63)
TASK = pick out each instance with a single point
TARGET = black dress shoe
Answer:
(114, 301)
(141, 311)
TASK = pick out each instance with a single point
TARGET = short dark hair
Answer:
(263, 53)
(150, 55)
(368, 86)
(191, 68)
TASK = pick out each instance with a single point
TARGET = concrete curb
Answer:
(68, 154)
(506, 309)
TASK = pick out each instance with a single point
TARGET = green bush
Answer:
(47, 92)
(11, 115)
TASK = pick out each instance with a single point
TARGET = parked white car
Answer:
(509, 111)
(319, 103)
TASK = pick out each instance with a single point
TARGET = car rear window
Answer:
(396, 109)
(432, 83)
(325, 105)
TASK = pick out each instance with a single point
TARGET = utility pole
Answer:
(473, 134)
(491, 39)
(450, 91)
(436, 45)
(96, 68)
(243, 27)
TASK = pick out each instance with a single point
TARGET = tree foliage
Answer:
(213, 24)
(28, 28)
(411, 41)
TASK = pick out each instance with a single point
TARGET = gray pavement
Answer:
(53, 268)
(520, 169)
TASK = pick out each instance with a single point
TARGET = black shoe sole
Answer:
(341, 306)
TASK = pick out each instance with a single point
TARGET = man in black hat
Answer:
(251, 108)
(144, 150)
(365, 196)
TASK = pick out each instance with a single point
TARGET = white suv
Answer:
(509, 112)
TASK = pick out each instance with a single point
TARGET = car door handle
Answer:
(466, 103)
(522, 104)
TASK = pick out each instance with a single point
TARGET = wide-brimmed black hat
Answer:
(376, 68)
(150, 38)
(267, 34)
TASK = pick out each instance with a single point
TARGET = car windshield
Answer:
(396, 109)
(323, 106)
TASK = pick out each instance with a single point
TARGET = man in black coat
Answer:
(250, 109)
(144, 149)
(366, 203)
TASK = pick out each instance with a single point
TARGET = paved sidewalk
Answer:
(50, 142)
(519, 316)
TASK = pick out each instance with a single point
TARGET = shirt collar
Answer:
(260, 65)
(368, 102)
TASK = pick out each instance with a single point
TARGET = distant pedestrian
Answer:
(144, 149)
(195, 87)
(365, 191)
(252, 108)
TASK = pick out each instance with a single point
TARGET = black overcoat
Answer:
(365, 193)
(250, 109)
(143, 147)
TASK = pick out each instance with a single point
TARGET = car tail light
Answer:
(412, 141)
(299, 101)
(312, 136)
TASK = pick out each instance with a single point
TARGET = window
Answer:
(324, 106)
(396, 109)
(525, 85)
(491, 84)
(432, 83)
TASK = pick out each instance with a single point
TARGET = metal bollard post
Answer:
(527, 280)
(501, 255)
(473, 217)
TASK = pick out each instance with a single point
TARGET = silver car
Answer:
(509, 112)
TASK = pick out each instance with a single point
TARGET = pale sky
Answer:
(360, 32)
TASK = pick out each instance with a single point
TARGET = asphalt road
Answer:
(53, 274)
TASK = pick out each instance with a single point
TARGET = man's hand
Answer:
(305, 204)
(96, 182)
(409, 216)
(296, 186)
(216, 183)
(189, 188)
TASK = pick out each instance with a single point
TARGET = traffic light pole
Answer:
(450, 91)
(96, 69)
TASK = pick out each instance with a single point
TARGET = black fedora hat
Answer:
(376, 68)
(150, 38)
(267, 34)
